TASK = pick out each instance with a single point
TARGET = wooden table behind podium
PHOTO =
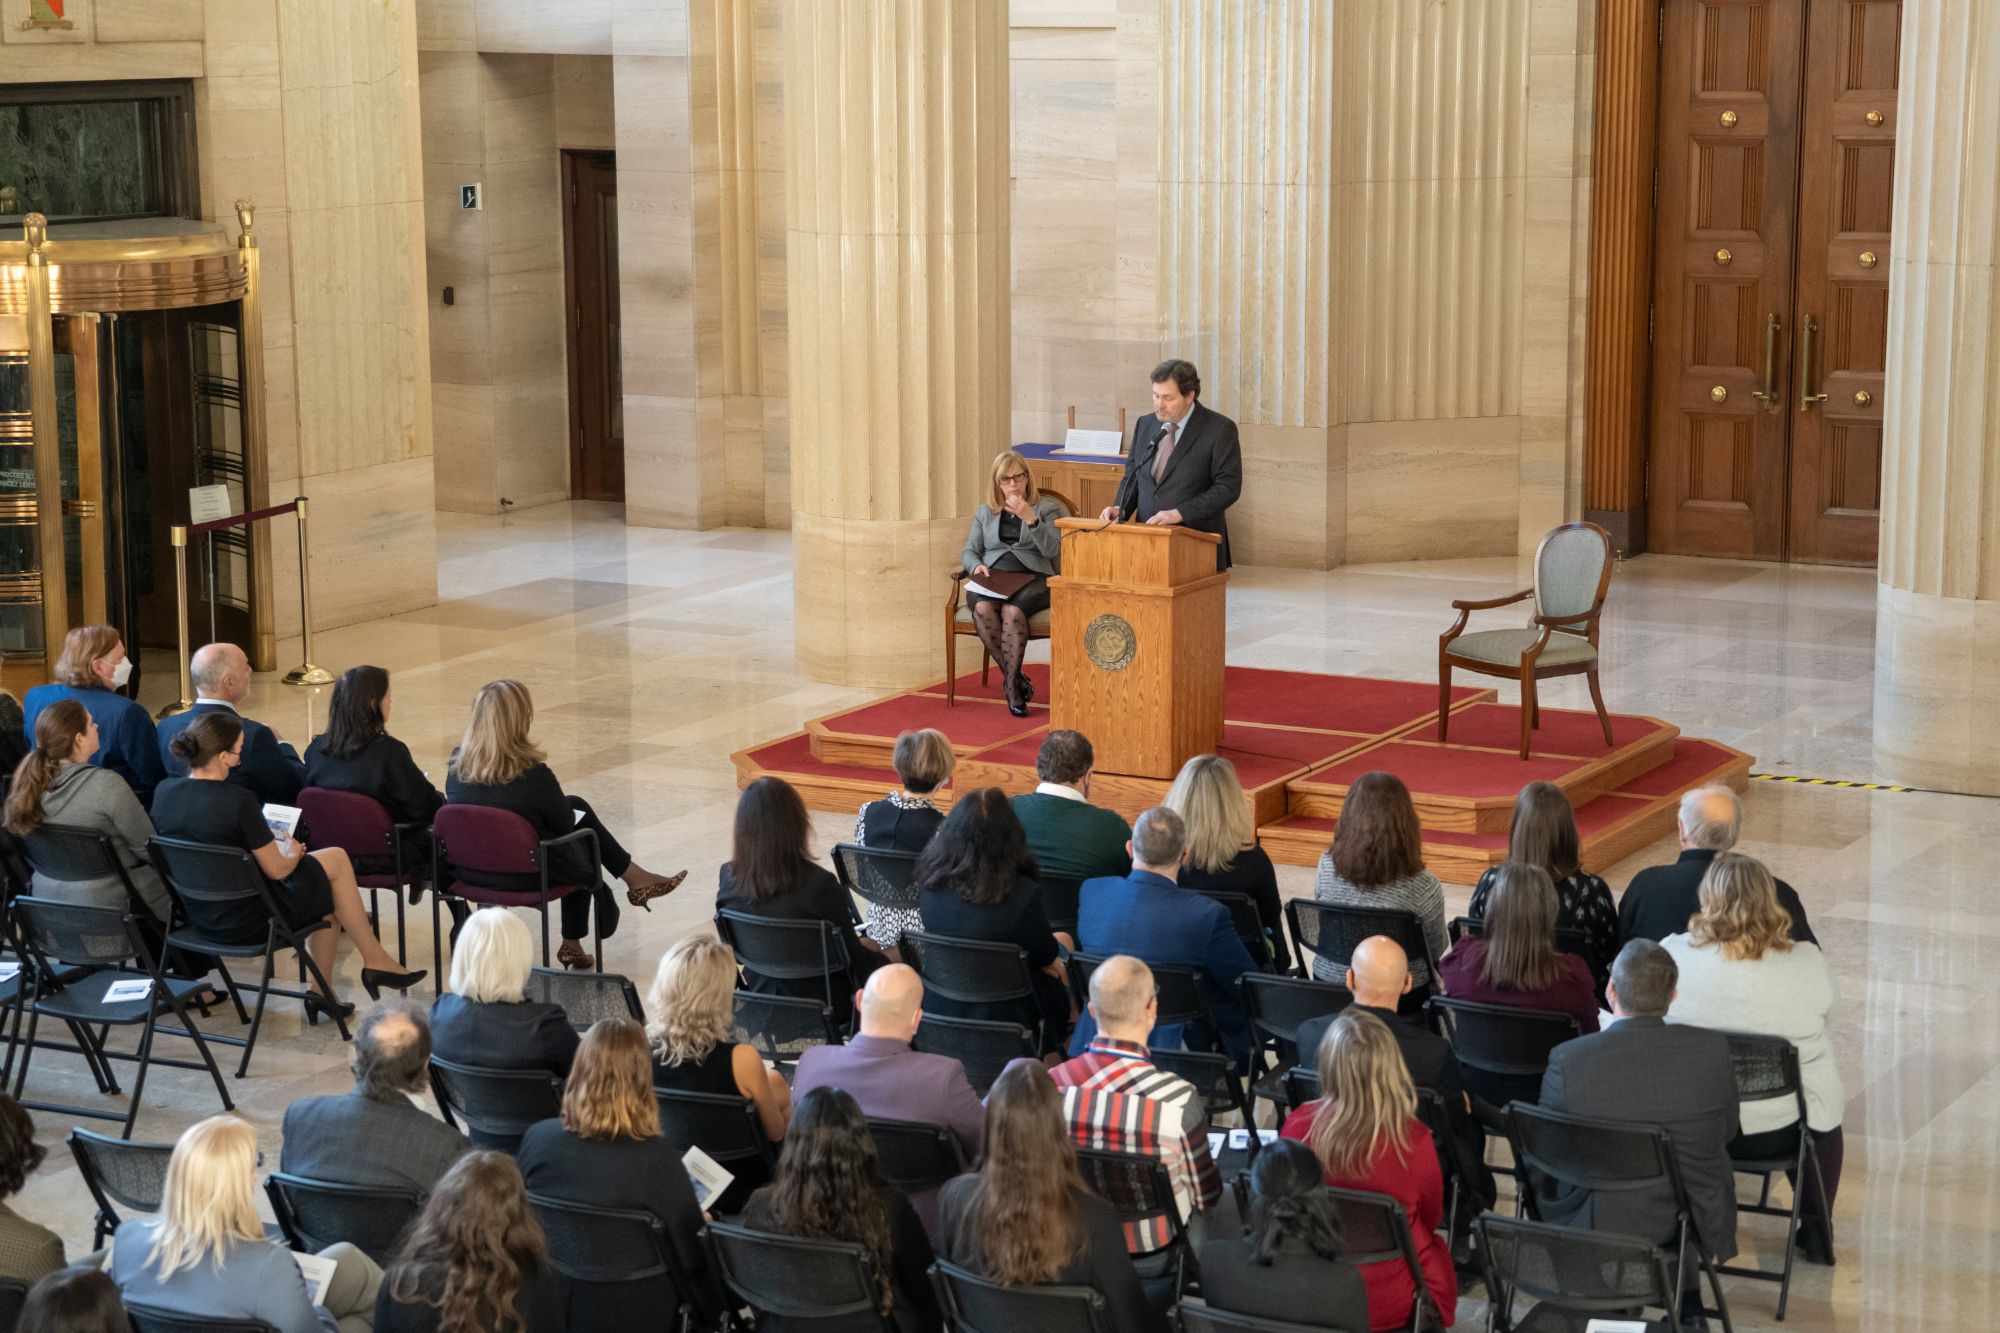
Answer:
(1136, 639)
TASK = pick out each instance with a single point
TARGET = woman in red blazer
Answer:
(1367, 1137)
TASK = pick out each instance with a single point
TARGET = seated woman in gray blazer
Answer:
(1015, 534)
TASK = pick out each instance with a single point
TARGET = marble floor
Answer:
(654, 654)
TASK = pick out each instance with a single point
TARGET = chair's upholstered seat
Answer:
(1503, 647)
(1038, 623)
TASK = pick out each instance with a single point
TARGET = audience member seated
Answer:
(692, 1008)
(1116, 1100)
(1516, 964)
(1660, 899)
(1544, 834)
(606, 1151)
(1223, 854)
(357, 754)
(830, 1187)
(771, 873)
(207, 1253)
(497, 765)
(1286, 1265)
(1148, 915)
(1377, 860)
(79, 1299)
(307, 886)
(1068, 836)
(486, 1019)
(1379, 976)
(271, 770)
(377, 1134)
(1026, 1219)
(1741, 970)
(1644, 1070)
(976, 881)
(892, 1082)
(57, 784)
(903, 821)
(27, 1250)
(475, 1260)
(92, 669)
(1366, 1136)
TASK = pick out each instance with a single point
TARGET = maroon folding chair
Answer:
(359, 826)
(487, 841)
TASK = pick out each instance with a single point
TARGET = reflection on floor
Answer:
(655, 655)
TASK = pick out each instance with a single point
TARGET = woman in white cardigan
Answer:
(1741, 971)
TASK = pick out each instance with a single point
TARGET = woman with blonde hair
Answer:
(692, 1004)
(497, 765)
(1741, 970)
(1366, 1134)
(903, 821)
(1544, 834)
(606, 1151)
(92, 669)
(487, 1019)
(1012, 535)
(1377, 860)
(1223, 855)
(207, 1254)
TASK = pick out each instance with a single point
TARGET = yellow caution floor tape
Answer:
(1829, 782)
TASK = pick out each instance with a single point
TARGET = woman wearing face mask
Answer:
(92, 669)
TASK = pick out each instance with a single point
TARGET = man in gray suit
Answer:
(1185, 464)
(1646, 1071)
(375, 1135)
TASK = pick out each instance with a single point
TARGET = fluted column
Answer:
(896, 187)
(1937, 695)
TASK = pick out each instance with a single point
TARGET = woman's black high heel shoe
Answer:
(374, 979)
(317, 1004)
(1027, 687)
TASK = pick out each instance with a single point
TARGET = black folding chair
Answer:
(1061, 897)
(313, 1214)
(1375, 1229)
(1214, 1077)
(1767, 1069)
(1502, 1051)
(794, 1278)
(973, 1304)
(590, 1245)
(877, 875)
(1182, 998)
(1568, 938)
(727, 1128)
(1249, 923)
(990, 974)
(134, 1174)
(103, 940)
(13, 1296)
(781, 1028)
(1609, 1157)
(1329, 933)
(206, 876)
(914, 1157)
(1571, 1273)
(1301, 1085)
(71, 854)
(151, 1319)
(985, 1049)
(496, 1105)
(792, 951)
(586, 997)
(1138, 1190)
(1189, 1317)
(1275, 1007)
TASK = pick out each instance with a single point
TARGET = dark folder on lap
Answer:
(1000, 583)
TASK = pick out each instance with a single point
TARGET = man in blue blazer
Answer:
(1148, 915)
(271, 769)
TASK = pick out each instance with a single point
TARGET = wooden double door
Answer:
(1777, 135)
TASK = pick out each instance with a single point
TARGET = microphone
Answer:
(1131, 511)
(1166, 428)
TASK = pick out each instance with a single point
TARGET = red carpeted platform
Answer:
(1298, 740)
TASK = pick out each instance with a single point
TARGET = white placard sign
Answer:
(207, 503)
(1098, 443)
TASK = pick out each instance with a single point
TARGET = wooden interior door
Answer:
(1846, 187)
(596, 391)
(1727, 193)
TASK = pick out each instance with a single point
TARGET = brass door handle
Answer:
(1806, 397)
(1768, 395)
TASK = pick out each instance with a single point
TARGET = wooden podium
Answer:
(1135, 640)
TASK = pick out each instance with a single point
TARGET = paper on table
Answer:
(318, 1274)
(132, 988)
(1097, 443)
(710, 1177)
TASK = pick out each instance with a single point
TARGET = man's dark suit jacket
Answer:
(269, 770)
(1204, 475)
(357, 1140)
(1660, 899)
(1154, 919)
(1651, 1072)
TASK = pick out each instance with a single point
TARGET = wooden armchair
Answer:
(1572, 573)
(958, 620)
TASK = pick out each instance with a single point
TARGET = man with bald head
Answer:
(1660, 899)
(376, 1134)
(892, 1082)
(271, 769)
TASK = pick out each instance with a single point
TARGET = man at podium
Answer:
(1185, 465)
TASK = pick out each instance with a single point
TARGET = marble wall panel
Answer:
(1432, 490)
(150, 20)
(584, 114)
(374, 544)
(575, 27)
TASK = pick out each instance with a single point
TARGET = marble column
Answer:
(897, 287)
(1937, 707)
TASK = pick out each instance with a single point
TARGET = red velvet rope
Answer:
(243, 520)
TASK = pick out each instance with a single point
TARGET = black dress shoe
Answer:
(317, 1004)
(1027, 687)
(374, 979)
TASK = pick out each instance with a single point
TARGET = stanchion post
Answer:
(177, 537)
(306, 673)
